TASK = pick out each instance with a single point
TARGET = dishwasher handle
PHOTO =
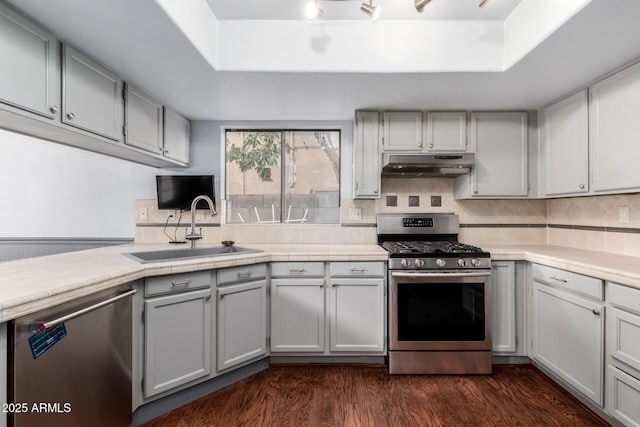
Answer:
(56, 322)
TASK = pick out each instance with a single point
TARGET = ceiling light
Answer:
(420, 4)
(481, 3)
(313, 11)
(372, 10)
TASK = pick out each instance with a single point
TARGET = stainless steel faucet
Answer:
(193, 236)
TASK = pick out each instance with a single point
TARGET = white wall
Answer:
(49, 190)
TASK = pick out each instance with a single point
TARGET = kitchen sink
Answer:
(178, 254)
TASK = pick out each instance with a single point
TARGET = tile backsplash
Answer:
(581, 222)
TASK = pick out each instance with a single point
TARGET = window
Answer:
(261, 187)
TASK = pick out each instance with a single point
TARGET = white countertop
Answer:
(32, 284)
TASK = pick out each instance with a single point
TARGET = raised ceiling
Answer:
(241, 67)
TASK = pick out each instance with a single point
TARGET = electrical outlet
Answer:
(414, 201)
(355, 214)
(623, 215)
(143, 214)
(200, 214)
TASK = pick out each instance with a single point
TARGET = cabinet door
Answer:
(356, 315)
(143, 121)
(503, 326)
(623, 337)
(242, 323)
(402, 131)
(177, 340)
(366, 156)
(92, 96)
(614, 134)
(623, 395)
(565, 146)
(568, 338)
(177, 134)
(446, 131)
(30, 66)
(297, 315)
(499, 141)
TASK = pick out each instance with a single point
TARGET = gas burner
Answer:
(430, 247)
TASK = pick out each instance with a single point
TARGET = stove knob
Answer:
(475, 262)
(405, 262)
(419, 263)
(440, 262)
(462, 262)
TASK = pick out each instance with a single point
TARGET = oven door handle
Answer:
(466, 274)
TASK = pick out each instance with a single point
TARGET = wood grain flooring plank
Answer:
(365, 395)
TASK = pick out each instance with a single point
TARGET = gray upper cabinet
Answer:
(446, 131)
(614, 134)
(565, 145)
(92, 96)
(402, 131)
(366, 156)
(499, 140)
(30, 66)
(143, 121)
(177, 134)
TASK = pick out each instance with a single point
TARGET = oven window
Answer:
(441, 312)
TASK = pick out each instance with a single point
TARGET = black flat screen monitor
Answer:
(178, 191)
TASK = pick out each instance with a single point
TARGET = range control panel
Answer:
(417, 222)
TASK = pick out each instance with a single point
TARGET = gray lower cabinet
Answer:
(242, 315)
(623, 354)
(30, 66)
(335, 311)
(503, 325)
(91, 96)
(143, 121)
(568, 328)
(177, 331)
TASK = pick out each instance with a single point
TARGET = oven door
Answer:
(443, 310)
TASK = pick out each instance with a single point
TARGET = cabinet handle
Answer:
(375, 191)
(430, 145)
(297, 270)
(244, 273)
(71, 116)
(161, 150)
(321, 285)
(222, 294)
(581, 186)
(54, 109)
(596, 312)
(559, 279)
(185, 282)
(334, 285)
(207, 298)
(358, 269)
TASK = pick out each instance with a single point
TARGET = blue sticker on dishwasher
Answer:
(43, 341)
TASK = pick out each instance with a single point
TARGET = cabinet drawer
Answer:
(623, 395)
(297, 269)
(241, 273)
(356, 269)
(624, 296)
(177, 283)
(624, 337)
(577, 283)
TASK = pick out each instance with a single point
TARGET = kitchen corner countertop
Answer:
(621, 269)
(32, 284)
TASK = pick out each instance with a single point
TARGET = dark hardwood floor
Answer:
(356, 395)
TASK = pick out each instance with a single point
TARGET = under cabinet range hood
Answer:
(427, 165)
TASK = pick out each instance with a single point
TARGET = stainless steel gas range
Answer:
(439, 296)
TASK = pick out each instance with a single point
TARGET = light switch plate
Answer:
(143, 214)
(623, 214)
(355, 214)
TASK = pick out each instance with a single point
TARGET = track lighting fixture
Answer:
(372, 10)
(420, 4)
(313, 11)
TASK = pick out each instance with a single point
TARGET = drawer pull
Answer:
(559, 279)
(358, 269)
(244, 273)
(297, 270)
(207, 298)
(334, 285)
(185, 282)
(222, 294)
(596, 311)
(321, 285)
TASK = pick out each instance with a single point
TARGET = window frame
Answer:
(311, 127)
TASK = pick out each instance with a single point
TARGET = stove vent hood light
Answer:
(427, 165)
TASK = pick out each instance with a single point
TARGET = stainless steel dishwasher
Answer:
(70, 365)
